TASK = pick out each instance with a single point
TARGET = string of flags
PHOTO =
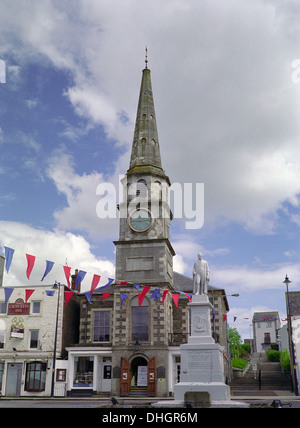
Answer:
(9, 252)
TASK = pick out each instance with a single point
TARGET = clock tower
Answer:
(144, 253)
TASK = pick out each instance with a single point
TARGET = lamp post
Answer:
(56, 286)
(287, 282)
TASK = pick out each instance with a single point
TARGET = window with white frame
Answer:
(33, 339)
(36, 308)
(101, 326)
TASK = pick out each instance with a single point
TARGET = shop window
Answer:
(84, 369)
(35, 376)
(139, 320)
(101, 326)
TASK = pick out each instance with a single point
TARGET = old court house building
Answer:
(127, 347)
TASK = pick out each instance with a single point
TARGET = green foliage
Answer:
(285, 360)
(246, 347)
(235, 342)
(273, 356)
(239, 363)
(274, 346)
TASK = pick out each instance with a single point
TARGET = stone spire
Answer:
(145, 153)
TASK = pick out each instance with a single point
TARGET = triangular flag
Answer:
(214, 315)
(68, 295)
(9, 252)
(95, 282)
(7, 293)
(49, 266)
(79, 278)
(88, 296)
(189, 297)
(28, 293)
(234, 319)
(110, 281)
(143, 294)
(123, 297)
(104, 296)
(50, 292)
(155, 295)
(164, 296)
(136, 286)
(175, 297)
(67, 271)
(30, 264)
(123, 283)
(224, 318)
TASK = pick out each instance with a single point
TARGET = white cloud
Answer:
(246, 278)
(55, 246)
(225, 95)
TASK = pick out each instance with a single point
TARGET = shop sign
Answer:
(17, 328)
(18, 308)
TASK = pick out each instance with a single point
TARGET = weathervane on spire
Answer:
(146, 57)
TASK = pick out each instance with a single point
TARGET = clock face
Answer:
(140, 220)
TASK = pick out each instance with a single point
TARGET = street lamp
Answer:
(287, 282)
(56, 286)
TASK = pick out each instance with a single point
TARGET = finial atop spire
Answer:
(146, 57)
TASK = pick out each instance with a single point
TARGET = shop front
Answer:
(89, 371)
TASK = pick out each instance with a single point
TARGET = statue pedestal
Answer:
(202, 369)
(202, 366)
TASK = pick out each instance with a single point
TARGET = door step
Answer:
(138, 391)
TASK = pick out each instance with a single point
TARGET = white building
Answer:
(265, 330)
(27, 333)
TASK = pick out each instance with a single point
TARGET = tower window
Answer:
(139, 320)
(141, 189)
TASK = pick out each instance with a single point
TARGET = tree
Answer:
(235, 342)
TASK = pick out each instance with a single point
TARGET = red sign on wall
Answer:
(18, 308)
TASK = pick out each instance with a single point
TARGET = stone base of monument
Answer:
(202, 368)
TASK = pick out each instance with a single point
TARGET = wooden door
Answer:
(151, 381)
(125, 378)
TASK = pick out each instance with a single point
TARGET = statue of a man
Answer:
(200, 275)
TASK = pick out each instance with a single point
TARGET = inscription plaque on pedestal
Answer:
(199, 360)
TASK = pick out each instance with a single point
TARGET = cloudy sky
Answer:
(226, 83)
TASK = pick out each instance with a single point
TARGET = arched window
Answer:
(141, 189)
(139, 320)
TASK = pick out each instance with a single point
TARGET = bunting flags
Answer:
(49, 266)
(9, 252)
(80, 277)
(30, 264)
(164, 296)
(104, 296)
(95, 282)
(143, 294)
(31, 259)
(123, 297)
(68, 295)
(28, 293)
(175, 297)
(7, 293)
(67, 271)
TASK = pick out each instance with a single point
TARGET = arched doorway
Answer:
(138, 368)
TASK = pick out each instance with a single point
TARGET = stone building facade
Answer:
(27, 333)
(130, 332)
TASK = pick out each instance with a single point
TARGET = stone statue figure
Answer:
(200, 275)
